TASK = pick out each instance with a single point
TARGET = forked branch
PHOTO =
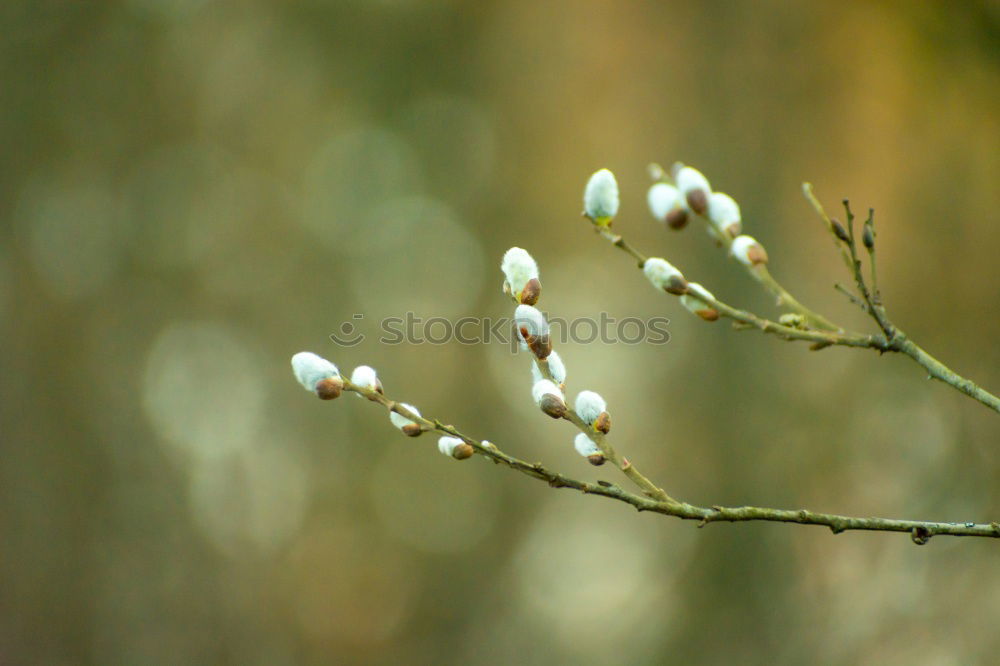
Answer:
(890, 338)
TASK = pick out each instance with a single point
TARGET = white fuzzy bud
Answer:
(364, 377)
(310, 369)
(748, 251)
(695, 188)
(662, 198)
(454, 448)
(401, 421)
(585, 446)
(546, 388)
(533, 329)
(667, 205)
(556, 368)
(531, 318)
(549, 398)
(520, 268)
(700, 307)
(600, 198)
(589, 406)
(724, 214)
(664, 275)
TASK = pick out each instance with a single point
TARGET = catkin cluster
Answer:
(673, 200)
(548, 372)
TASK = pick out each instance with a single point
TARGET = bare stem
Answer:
(938, 370)
(920, 531)
(762, 275)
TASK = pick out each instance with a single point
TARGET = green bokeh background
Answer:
(191, 191)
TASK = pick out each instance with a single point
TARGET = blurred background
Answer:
(192, 191)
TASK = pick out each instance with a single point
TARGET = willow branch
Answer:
(892, 339)
(920, 531)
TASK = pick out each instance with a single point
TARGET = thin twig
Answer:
(919, 531)
(851, 297)
(876, 312)
(807, 191)
(751, 320)
(762, 275)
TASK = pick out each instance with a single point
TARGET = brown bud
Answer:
(676, 285)
(868, 236)
(412, 430)
(462, 451)
(603, 423)
(734, 229)
(532, 290)
(553, 406)
(596, 459)
(698, 200)
(328, 389)
(677, 218)
(708, 314)
(839, 231)
(757, 254)
(540, 346)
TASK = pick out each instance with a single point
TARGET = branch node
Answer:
(920, 535)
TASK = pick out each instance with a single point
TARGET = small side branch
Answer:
(749, 320)
(628, 469)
